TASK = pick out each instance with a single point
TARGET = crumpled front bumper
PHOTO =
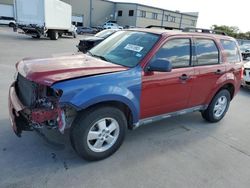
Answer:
(18, 122)
(23, 119)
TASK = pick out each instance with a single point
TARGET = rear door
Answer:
(233, 61)
(208, 69)
(164, 92)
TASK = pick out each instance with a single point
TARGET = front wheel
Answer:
(218, 107)
(98, 133)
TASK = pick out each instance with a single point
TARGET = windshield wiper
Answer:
(99, 56)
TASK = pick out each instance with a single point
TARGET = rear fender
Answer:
(219, 85)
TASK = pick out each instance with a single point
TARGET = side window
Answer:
(207, 52)
(176, 51)
(231, 50)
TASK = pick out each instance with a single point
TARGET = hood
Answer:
(47, 71)
(247, 65)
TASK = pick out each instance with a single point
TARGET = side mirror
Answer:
(159, 65)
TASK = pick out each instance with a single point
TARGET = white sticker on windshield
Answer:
(133, 47)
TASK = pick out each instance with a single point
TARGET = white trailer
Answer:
(49, 18)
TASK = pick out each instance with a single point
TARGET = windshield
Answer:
(105, 33)
(126, 48)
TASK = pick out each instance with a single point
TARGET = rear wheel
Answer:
(53, 35)
(218, 107)
(98, 133)
(36, 37)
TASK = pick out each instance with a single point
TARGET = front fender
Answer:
(87, 98)
(124, 87)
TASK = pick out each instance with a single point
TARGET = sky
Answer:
(219, 12)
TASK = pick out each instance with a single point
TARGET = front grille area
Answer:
(248, 83)
(26, 91)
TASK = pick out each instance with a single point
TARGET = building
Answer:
(96, 12)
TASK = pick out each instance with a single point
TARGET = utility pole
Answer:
(181, 21)
(90, 12)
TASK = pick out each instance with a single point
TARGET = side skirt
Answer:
(168, 115)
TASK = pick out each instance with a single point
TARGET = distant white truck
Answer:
(49, 18)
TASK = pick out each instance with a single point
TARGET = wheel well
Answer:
(121, 106)
(230, 88)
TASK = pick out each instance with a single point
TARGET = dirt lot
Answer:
(178, 152)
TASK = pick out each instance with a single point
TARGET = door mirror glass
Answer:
(160, 65)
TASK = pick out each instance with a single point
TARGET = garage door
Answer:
(6, 10)
(77, 20)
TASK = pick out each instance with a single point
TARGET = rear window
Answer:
(207, 52)
(231, 50)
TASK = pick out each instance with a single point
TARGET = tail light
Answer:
(242, 72)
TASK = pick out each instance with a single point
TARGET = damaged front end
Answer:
(33, 106)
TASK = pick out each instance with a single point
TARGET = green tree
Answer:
(232, 31)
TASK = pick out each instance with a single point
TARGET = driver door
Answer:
(165, 92)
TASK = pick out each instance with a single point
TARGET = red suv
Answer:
(132, 78)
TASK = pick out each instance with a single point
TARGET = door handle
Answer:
(184, 77)
(218, 72)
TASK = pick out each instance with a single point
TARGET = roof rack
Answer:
(163, 27)
(201, 30)
(190, 29)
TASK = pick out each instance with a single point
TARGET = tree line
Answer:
(232, 31)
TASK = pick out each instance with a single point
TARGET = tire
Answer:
(218, 107)
(36, 37)
(53, 35)
(98, 133)
(11, 24)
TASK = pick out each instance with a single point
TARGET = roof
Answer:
(179, 32)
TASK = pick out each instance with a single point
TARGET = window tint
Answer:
(154, 16)
(131, 13)
(119, 12)
(142, 13)
(176, 51)
(231, 49)
(207, 52)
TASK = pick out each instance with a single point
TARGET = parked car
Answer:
(84, 30)
(7, 21)
(246, 75)
(245, 50)
(132, 78)
(110, 25)
(89, 42)
(98, 28)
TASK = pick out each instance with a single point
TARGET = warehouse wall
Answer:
(102, 11)
(145, 16)
(80, 8)
(125, 19)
